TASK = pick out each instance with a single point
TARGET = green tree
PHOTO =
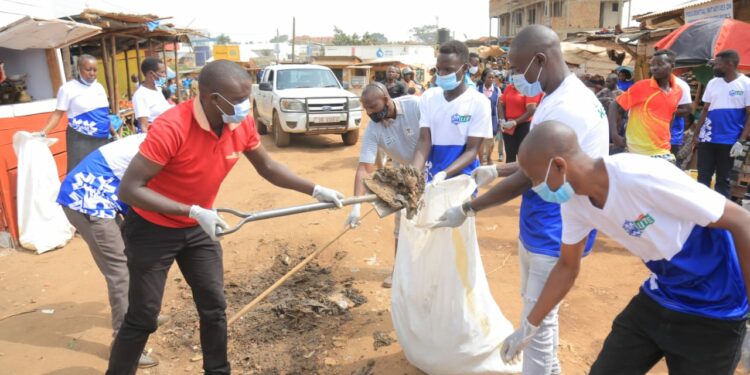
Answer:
(340, 38)
(223, 39)
(280, 38)
(426, 34)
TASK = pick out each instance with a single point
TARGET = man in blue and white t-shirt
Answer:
(87, 107)
(537, 60)
(692, 309)
(724, 121)
(89, 199)
(454, 120)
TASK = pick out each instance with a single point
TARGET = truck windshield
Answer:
(305, 78)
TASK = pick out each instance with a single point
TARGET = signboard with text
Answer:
(720, 8)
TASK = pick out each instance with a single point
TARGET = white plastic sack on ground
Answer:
(42, 225)
(443, 312)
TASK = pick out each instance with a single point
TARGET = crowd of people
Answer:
(554, 131)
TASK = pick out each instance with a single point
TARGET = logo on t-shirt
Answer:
(636, 228)
(458, 119)
(736, 93)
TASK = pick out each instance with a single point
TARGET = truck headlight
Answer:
(354, 103)
(292, 105)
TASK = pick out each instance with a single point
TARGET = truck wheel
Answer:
(351, 137)
(280, 137)
(262, 128)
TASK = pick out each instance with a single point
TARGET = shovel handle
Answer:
(286, 211)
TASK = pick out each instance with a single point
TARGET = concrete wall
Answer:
(577, 15)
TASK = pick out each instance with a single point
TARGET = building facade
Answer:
(566, 17)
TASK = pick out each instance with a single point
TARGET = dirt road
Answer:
(284, 336)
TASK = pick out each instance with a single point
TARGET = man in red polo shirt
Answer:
(171, 185)
(652, 104)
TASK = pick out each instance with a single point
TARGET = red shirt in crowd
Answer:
(195, 161)
(515, 104)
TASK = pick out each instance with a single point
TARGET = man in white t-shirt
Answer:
(677, 128)
(535, 56)
(148, 100)
(394, 129)
(454, 119)
(724, 122)
(692, 309)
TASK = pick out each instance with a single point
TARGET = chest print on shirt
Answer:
(636, 228)
(457, 119)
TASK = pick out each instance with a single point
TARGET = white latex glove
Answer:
(509, 124)
(736, 150)
(439, 177)
(484, 175)
(514, 344)
(324, 194)
(352, 221)
(209, 220)
(453, 218)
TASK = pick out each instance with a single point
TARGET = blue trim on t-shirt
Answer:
(541, 226)
(91, 188)
(703, 279)
(677, 131)
(442, 156)
(94, 123)
(725, 126)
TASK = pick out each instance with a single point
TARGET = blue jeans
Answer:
(540, 356)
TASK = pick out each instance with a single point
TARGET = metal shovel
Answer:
(383, 209)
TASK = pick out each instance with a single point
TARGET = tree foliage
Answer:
(223, 39)
(280, 38)
(426, 34)
(340, 38)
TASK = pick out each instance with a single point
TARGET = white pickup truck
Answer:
(304, 99)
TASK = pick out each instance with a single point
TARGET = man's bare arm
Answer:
(466, 158)
(424, 146)
(363, 170)
(737, 221)
(133, 189)
(277, 173)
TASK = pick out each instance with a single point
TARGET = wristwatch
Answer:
(466, 208)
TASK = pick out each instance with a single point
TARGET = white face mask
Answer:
(473, 70)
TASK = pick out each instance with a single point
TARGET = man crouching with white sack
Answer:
(442, 310)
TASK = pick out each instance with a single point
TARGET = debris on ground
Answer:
(288, 333)
(381, 339)
(367, 369)
(340, 255)
(400, 187)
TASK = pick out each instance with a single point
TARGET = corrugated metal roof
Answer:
(683, 5)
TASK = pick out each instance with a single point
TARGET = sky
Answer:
(258, 21)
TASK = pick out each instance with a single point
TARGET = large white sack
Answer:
(443, 312)
(42, 225)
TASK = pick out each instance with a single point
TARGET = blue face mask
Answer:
(241, 110)
(85, 82)
(559, 196)
(523, 86)
(160, 82)
(448, 82)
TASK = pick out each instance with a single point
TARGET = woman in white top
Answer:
(87, 107)
(148, 101)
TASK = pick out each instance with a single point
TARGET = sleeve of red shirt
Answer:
(253, 138)
(162, 142)
(632, 97)
(533, 99)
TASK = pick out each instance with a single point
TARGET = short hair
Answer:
(86, 56)
(626, 73)
(150, 64)
(671, 56)
(455, 47)
(219, 72)
(473, 55)
(411, 91)
(485, 72)
(729, 55)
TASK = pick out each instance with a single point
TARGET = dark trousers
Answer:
(513, 142)
(645, 332)
(151, 249)
(80, 145)
(714, 157)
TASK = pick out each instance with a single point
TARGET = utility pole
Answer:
(294, 35)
